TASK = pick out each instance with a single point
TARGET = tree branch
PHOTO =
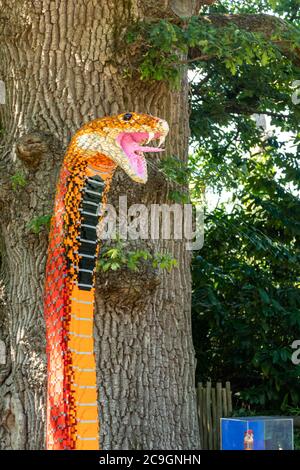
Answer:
(174, 8)
(267, 25)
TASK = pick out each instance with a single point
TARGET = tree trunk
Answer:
(63, 64)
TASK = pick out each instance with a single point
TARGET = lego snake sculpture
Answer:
(88, 167)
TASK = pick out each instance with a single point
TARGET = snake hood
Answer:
(123, 139)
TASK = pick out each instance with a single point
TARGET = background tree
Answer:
(246, 303)
(63, 63)
(244, 63)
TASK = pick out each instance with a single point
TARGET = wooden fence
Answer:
(213, 404)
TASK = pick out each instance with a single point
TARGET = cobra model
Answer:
(88, 167)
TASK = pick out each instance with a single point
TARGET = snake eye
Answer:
(127, 117)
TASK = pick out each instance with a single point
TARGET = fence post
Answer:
(229, 397)
(199, 408)
(208, 414)
(219, 411)
(225, 408)
(204, 417)
(214, 417)
(213, 403)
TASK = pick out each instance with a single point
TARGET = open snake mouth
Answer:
(134, 145)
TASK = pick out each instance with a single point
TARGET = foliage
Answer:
(297, 439)
(292, 410)
(175, 170)
(18, 180)
(165, 46)
(178, 174)
(246, 307)
(289, 9)
(246, 303)
(36, 224)
(117, 257)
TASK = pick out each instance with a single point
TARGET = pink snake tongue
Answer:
(129, 143)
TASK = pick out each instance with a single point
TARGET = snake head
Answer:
(123, 139)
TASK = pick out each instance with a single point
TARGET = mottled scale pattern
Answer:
(72, 413)
(84, 181)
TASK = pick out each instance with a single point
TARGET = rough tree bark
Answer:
(63, 64)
